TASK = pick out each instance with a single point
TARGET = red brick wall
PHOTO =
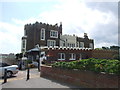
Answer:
(100, 54)
(53, 53)
(104, 54)
(86, 79)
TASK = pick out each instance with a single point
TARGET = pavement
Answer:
(35, 81)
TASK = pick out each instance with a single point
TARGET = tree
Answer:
(19, 55)
(105, 48)
(114, 47)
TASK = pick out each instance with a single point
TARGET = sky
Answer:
(98, 19)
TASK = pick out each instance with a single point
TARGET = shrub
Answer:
(91, 64)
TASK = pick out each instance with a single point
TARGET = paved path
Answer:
(34, 82)
(23, 75)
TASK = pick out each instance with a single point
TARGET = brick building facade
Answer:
(57, 47)
(43, 34)
(71, 54)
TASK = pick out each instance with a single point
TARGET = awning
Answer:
(34, 50)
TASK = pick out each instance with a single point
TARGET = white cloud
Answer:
(10, 41)
(76, 17)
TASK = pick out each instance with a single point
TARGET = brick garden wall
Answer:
(85, 79)
(103, 54)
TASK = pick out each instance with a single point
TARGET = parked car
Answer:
(11, 69)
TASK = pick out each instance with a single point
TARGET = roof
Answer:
(34, 50)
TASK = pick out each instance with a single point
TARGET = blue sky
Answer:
(98, 19)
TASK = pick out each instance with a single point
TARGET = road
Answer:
(35, 81)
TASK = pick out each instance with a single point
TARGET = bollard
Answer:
(5, 76)
(38, 66)
(28, 73)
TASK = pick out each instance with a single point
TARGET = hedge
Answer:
(91, 64)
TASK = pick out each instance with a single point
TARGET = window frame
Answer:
(81, 44)
(61, 57)
(24, 44)
(91, 45)
(53, 34)
(50, 42)
(72, 56)
(80, 58)
(42, 34)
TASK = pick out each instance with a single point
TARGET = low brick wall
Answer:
(85, 79)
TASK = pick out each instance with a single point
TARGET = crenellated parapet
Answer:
(40, 24)
(64, 48)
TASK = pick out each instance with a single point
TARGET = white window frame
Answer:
(81, 44)
(77, 44)
(80, 57)
(24, 47)
(72, 57)
(42, 35)
(51, 43)
(91, 45)
(52, 35)
(24, 40)
(61, 56)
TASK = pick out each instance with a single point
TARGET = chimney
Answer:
(60, 28)
(85, 35)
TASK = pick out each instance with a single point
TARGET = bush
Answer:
(91, 64)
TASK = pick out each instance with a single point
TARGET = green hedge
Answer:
(91, 64)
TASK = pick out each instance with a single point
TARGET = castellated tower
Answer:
(41, 34)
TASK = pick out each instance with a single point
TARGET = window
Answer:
(42, 34)
(54, 34)
(91, 45)
(82, 44)
(68, 44)
(51, 43)
(61, 56)
(77, 44)
(63, 44)
(73, 45)
(80, 57)
(24, 44)
(72, 56)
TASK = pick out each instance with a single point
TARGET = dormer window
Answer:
(53, 34)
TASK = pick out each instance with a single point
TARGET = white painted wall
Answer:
(71, 39)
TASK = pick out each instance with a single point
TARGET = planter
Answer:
(85, 79)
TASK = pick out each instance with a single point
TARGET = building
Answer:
(70, 54)
(68, 41)
(52, 44)
(8, 58)
(42, 34)
(75, 41)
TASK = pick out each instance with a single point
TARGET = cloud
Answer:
(100, 22)
(10, 41)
